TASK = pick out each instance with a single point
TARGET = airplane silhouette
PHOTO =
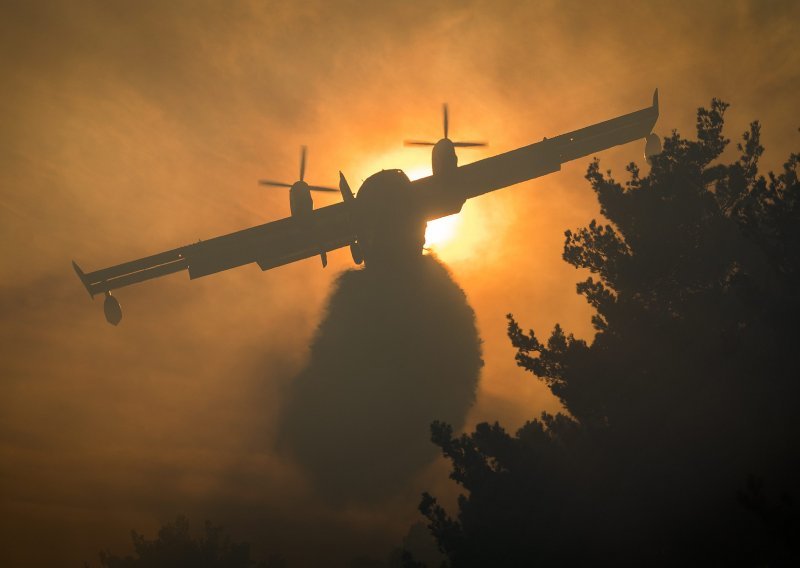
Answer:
(385, 223)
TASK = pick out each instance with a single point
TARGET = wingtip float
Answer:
(385, 220)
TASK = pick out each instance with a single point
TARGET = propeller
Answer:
(446, 124)
(302, 177)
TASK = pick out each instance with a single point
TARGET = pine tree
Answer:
(685, 399)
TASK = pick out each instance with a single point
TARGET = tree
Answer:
(176, 548)
(689, 388)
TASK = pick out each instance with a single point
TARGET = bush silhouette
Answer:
(174, 547)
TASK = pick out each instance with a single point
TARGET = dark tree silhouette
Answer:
(176, 548)
(689, 388)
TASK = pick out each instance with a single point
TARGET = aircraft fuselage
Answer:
(389, 222)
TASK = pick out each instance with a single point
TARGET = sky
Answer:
(131, 128)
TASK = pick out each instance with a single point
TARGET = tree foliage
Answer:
(176, 548)
(676, 440)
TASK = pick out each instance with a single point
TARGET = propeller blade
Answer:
(344, 187)
(273, 183)
(322, 188)
(469, 144)
(418, 143)
(302, 162)
(444, 107)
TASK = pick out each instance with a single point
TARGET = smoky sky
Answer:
(397, 348)
(131, 128)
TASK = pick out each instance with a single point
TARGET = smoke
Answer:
(397, 349)
(133, 128)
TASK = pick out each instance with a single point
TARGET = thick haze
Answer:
(130, 128)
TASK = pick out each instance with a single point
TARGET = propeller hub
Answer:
(444, 156)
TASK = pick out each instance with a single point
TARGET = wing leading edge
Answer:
(269, 245)
(288, 240)
(444, 195)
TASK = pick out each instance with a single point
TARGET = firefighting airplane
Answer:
(385, 222)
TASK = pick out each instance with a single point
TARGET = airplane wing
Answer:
(445, 194)
(288, 240)
(269, 245)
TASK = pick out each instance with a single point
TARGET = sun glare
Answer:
(439, 231)
(453, 238)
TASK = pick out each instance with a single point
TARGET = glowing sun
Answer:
(440, 231)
